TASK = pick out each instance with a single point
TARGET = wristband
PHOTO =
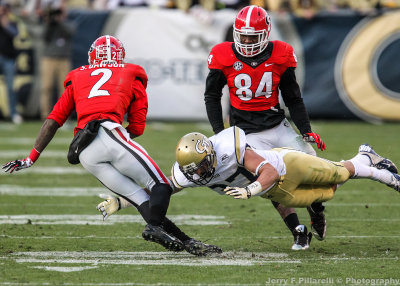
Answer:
(34, 155)
(259, 166)
(253, 189)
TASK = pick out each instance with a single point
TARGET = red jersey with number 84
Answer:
(252, 88)
(104, 92)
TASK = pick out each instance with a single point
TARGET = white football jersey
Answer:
(229, 145)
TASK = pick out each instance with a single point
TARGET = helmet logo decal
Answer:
(238, 66)
(201, 145)
(210, 59)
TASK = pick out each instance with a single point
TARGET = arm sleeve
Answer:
(291, 95)
(64, 106)
(137, 111)
(215, 82)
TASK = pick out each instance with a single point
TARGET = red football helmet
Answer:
(251, 22)
(106, 49)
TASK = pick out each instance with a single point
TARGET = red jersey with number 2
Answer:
(104, 92)
(252, 88)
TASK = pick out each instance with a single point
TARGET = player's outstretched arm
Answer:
(46, 134)
(267, 176)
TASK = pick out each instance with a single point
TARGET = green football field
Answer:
(52, 234)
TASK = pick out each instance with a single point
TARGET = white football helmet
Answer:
(196, 158)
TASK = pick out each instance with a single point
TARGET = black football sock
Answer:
(171, 228)
(159, 202)
(317, 207)
(144, 210)
(292, 221)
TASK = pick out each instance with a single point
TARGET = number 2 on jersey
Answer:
(243, 84)
(96, 91)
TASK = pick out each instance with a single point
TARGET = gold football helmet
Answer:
(196, 158)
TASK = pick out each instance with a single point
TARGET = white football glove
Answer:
(109, 206)
(237, 193)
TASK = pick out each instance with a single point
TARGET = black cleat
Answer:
(199, 248)
(159, 235)
(302, 239)
(377, 160)
(318, 224)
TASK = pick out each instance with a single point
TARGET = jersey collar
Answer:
(257, 60)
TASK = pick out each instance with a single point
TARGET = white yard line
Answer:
(17, 190)
(64, 269)
(94, 258)
(97, 219)
(59, 191)
(49, 171)
(13, 154)
(31, 140)
(141, 254)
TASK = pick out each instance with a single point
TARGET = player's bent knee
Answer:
(160, 195)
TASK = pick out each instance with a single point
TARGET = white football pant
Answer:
(121, 165)
(282, 135)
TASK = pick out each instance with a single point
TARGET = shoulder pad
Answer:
(221, 56)
(68, 78)
(138, 72)
(283, 54)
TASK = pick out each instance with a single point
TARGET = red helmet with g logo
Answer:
(107, 50)
(251, 21)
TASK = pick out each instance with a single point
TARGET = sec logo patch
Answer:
(238, 66)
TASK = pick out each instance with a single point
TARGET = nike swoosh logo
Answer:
(267, 65)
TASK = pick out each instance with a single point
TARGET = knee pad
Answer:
(160, 194)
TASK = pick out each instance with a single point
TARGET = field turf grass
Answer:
(51, 233)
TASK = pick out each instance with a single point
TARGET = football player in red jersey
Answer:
(102, 93)
(255, 69)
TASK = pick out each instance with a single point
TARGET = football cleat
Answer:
(302, 239)
(377, 161)
(199, 248)
(159, 235)
(395, 183)
(318, 224)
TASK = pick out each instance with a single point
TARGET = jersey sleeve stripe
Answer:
(237, 144)
(174, 181)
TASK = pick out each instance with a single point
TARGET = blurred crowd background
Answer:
(36, 37)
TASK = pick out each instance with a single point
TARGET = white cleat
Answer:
(377, 161)
(302, 239)
(395, 183)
